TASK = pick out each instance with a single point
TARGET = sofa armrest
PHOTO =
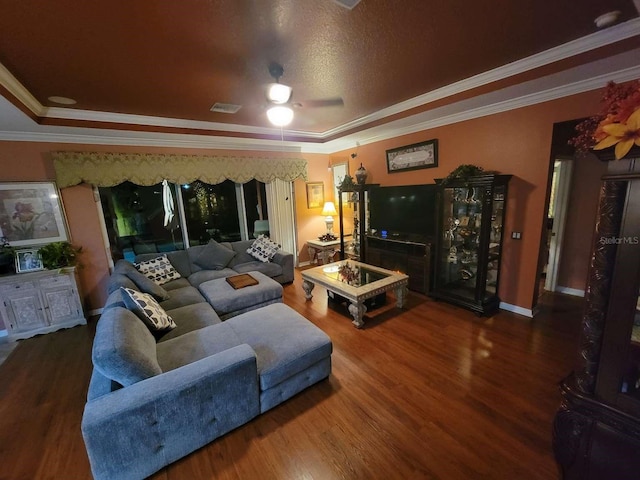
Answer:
(135, 431)
(285, 260)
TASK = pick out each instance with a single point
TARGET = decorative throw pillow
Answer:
(214, 256)
(263, 249)
(158, 269)
(147, 310)
(144, 283)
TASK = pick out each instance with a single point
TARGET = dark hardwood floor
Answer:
(429, 392)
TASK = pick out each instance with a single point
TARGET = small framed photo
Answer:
(413, 157)
(28, 261)
(315, 194)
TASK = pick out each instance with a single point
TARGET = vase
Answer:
(361, 175)
(608, 154)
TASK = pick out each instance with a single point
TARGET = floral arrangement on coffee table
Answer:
(616, 125)
(349, 274)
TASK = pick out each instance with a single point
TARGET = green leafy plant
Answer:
(59, 255)
(463, 172)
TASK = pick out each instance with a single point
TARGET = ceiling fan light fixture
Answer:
(279, 93)
(280, 116)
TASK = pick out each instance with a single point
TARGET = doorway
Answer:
(556, 222)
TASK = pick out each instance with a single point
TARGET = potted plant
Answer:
(59, 255)
(615, 130)
(7, 256)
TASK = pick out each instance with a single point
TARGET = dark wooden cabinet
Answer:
(596, 431)
(410, 257)
(469, 241)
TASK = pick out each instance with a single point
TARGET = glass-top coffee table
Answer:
(356, 282)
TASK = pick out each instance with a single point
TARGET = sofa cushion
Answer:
(285, 342)
(194, 346)
(181, 297)
(142, 282)
(211, 256)
(175, 284)
(158, 269)
(190, 318)
(263, 249)
(202, 276)
(117, 280)
(124, 349)
(147, 310)
(270, 269)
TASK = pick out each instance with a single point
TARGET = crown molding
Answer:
(15, 88)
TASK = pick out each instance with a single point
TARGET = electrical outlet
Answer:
(516, 235)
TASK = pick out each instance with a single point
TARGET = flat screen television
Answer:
(405, 211)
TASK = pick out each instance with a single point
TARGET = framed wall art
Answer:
(315, 194)
(413, 157)
(31, 214)
(28, 261)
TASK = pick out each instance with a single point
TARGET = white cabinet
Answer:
(40, 302)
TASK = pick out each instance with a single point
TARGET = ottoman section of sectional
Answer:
(229, 302)
(292, 353)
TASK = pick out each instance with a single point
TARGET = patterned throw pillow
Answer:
(147, 310)
(159, 270)
(263, 249)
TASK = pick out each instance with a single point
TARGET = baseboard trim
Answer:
(525, 312)
(95, 313)
(571, 291)
(304, 264)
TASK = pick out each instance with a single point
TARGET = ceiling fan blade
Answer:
(323, 102)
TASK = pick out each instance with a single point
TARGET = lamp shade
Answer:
(329, 209)
(279, 93)
(280, 116)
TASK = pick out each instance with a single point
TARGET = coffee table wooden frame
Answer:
(356, 295)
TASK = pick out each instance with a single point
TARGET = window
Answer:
(226, 212)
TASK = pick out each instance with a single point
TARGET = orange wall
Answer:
(516, 142)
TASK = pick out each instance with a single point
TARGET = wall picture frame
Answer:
(28, 260)
(413, 157)
(315, 194)
(31, 214)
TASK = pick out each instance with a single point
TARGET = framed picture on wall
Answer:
(413, 157)
(315, 194)
(31, 214)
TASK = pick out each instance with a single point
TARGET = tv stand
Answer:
(412, 257)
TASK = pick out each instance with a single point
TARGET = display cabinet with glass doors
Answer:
(469, 243)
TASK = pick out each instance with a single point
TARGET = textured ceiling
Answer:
(176, 59)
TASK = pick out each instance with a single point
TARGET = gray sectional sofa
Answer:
(155, 397)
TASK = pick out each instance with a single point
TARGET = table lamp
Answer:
(329, 211)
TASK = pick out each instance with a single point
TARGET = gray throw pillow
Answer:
(144, 283)
(214, 256)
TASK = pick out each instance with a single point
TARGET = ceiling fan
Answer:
(280, 111)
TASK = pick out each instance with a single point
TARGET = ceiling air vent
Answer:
(350, 4)
(225, 108)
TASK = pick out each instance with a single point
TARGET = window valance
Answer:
(109, 169)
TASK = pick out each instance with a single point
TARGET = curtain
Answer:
(280, 206)
(109, 169)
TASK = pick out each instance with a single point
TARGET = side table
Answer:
(322, 252)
